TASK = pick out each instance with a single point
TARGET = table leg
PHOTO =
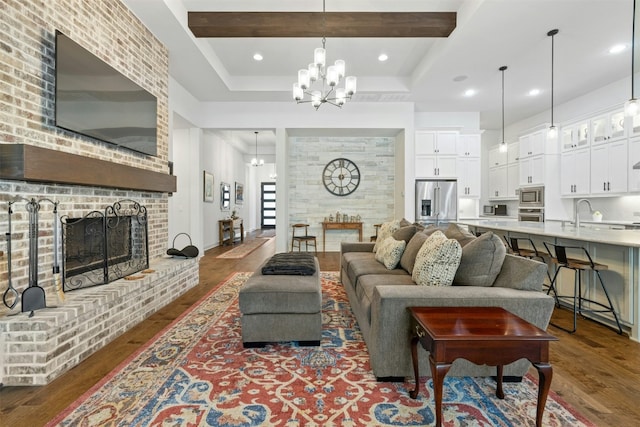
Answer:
(499, 391)
(324, 239)
(545, 374)
(414, 359)
(438, 372)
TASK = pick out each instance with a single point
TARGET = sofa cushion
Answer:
(481, 261)
(409, 256)
(437, 261)
(464, 237)
(369, 282)
(389, 252)
(361, 263)
(405, 233)
(386, 230)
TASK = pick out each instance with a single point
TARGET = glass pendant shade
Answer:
(303, 78)
(631, 107)
(319, 56)
(316, 98)
(341, 97)
(340, 66)
(298, 93)
(350, 85)
(332, 75)
(552, 133)
(313, 72)
(503, 147)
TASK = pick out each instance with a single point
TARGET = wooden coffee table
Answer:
(483, 335)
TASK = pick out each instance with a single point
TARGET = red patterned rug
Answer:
(196, 373)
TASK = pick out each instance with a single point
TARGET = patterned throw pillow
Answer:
(386, 230)
(390, 252)
(437, 261)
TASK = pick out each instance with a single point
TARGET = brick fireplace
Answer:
(82, 175)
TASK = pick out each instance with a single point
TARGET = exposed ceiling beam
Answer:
(322, 24)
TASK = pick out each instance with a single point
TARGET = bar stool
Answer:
(375, 237)
(559, 257)
(306, 238)
(532, 253)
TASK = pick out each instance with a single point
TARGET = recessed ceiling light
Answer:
(383, 57)
(469, 92)
(257, 57)
(534, 92)
(617, 48)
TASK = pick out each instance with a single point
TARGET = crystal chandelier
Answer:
(256, 161)
(326, 78)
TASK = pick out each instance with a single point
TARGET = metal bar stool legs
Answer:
(578, 266)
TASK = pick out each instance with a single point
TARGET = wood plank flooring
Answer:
(595, 370)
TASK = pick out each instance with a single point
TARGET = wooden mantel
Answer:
(35, 164)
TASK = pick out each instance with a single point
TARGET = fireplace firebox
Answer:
(104, 246)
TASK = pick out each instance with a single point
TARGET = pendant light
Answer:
(255, 161)
(552, 133)
(631, 107)
(503, 144)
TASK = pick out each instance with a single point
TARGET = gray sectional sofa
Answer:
(379, 298)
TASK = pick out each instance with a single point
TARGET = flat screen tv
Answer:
(95, 100)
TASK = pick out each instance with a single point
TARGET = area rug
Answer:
(244, 249)
(196, 373)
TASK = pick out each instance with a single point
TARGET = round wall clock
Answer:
(341, 177)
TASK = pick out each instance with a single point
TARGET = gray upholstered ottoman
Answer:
(281, 307)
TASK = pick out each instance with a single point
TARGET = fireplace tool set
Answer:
(33, 297)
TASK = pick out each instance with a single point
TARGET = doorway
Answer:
(268, 205)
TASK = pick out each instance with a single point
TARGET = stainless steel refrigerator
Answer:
(436, 201)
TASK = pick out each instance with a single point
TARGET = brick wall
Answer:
(27, 86)
(310, 202)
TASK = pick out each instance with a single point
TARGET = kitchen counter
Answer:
(591, 233)
(618, 249)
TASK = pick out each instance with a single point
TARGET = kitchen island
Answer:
(619, 249)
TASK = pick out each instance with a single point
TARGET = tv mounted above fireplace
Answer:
(94, 99)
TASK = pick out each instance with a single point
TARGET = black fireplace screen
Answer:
(104, 246)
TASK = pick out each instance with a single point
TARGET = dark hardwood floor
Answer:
(595, 370)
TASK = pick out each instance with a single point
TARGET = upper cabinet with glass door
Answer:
(608, 127)
(574, 136)
(634, 125)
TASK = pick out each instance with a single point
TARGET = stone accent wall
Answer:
(310, 202)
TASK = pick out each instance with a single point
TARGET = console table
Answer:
(326, 225)
(229, 226)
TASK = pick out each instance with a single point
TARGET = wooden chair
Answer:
(558, 254)
(299, 239)
(375, 237)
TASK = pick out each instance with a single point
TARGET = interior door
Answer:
(268, 205)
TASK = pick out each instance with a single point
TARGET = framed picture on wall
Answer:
(239, 193)
(208, 187)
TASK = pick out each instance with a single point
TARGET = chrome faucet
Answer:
(576, 214)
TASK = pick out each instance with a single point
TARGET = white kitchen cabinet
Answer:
(634, 164)
(513, 170)
(468, 145)
(532, 170)
(497, 157)
(436, 143)
(469, 177)
(608, 168)
(634, 125)
(513, 152)
(574, 136)
(575, 166)
(608, 127)
(498, 181)
(436, 154)
(532, 144)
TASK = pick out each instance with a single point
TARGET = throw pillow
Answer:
(437, 261)
(386, 230)
(405, 233)
(481, 261)
(409, 256)
(454, 231)
(390, 252)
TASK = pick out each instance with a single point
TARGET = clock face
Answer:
(341, 177)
